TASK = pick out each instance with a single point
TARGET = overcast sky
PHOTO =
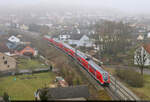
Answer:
(141, 6)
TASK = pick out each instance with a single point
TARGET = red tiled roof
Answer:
(147, 47)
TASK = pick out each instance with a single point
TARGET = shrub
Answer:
(131, 77)
(6, 97)
(77, 81)
(43, 94)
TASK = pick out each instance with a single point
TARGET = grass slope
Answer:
(30, 64)
(24, 86)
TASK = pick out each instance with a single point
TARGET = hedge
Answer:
(131, 77)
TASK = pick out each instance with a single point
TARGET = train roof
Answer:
(66, 45)
(81, 54)
(57, 40)
(97, 67)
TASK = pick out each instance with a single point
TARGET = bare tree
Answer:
(69, 79)
(112, 38)
(140, 58)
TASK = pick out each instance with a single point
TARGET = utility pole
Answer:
(85, 48)
(76, 50)
(99, 42)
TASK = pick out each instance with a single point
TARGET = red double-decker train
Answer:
(96, 71)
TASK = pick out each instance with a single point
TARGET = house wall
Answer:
(11, 62)
(24, 27)
(73, 42)
(147, 62)
(11, 45)
(36, 53)
(84, 41)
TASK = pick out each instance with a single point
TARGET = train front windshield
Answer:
(105, 76)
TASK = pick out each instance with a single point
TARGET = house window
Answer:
(27, 48)
(5, 62)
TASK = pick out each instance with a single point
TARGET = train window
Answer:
(87, 59)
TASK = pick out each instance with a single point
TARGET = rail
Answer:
(121, 91)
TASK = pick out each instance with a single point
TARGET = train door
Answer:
(75, 55)
(60, 45)
(84, 63)
(51, 40)
(72, 53)
(55, 43)
(99, 77)
(66, 49)
(92, 70)
(79, 58)
(63, 48)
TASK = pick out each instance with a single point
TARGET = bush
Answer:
(77, 81)
(131, 77)
(43, 94)
(6, 97)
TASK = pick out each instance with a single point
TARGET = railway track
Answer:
(116, 90)
(122, 92)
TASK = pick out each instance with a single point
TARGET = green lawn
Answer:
(23, 89)
(30, 64)
(144, 92)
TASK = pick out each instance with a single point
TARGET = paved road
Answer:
(146, 71)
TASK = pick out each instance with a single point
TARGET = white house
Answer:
(85, 41)
(148, 35)
(78, 31)
(24, 27)
(143, 50)
(140, 37)
(14, 39)
(80, 40)
(36, 52)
